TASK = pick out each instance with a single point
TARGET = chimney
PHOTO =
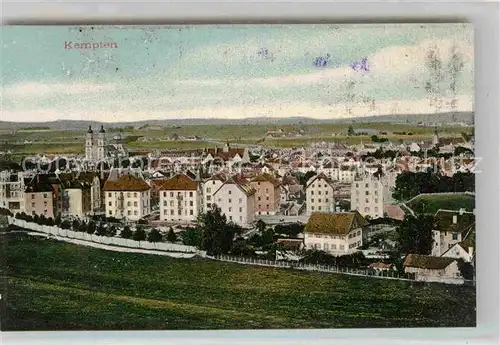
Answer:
(454, 219)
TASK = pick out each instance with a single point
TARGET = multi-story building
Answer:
(12, 191)
(180, 199)
(367, 196)
(335, 233)
(267, 194)
(319, 195)
(39, 198)
(209, 187)
(127, 197)
(95, 145)
(452, 227)
(235, 197)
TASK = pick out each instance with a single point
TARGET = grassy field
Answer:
(432, 203)
(55, 285)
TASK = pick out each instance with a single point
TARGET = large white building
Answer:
(319, 195)
(235, 198)
(95, 145)
(367, 196)
(180, 199)
(127, 197)
(209, 187)
(12, 191)
(335, 233)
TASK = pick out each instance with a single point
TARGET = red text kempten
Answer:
(89, 45)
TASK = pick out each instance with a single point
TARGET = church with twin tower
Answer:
(95, 145)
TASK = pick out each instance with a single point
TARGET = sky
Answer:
(161, 72)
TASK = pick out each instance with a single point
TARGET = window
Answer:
(334, 247)
(135, 213)
(171, 203)
(191, 203)
(267, 198)
(454, 236)
(367, 193)
(190, 212)
(319, 200)
(229, 192)
(33, 196)
(208, 197)
(367, 209)
(208, 205)
(190, 194)
(312, 192)
(110, 212)
(129, 203)
(376, 200)
(165, 212)
(241, 201)
(32, 204)
(33, 213)
(376, 209)
(172, 212)
(110, 203)
(135, 203)
(45, 195)
(128, 194)
(209, 190)
(319, 192)
(241, 218)
(213, 182)
(319, 208)
(129, 212)
(267, 206)
(241, 209)
(135, 195)
(229, 200)
(164, 194)
(258, 198)
(312, 208)
(376, 193)
(267, 190)
(325, 246)
(312, 200)
(366, 200)
(326, 200)
(171, 194)
(230, 209)
(326, 192)
(179, 212)
(357, 185)
(341, 247)
(230, 217)
(366, 185)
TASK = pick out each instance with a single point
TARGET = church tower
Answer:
(435, 137)
(89, 137)
(101, 143)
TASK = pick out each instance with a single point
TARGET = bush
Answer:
(65, 224)
(171, 236)
(76, 224)
(57, 221)
(100, 230)
(5, 212)
(126, 232)
(139, 235)
(154, 236)
(111, 231)
(91, 227)
(50, 221)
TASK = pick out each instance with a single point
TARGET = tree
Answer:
(217, 234)
(289, 230)
(50, 221)
(57, 221)
(101, 230)
(191, 237)
(466, 269)
(154, 236)
(91, 227)
(126, 232)
(171, 236)
(75, 224)
(260, 225)
(82, 227)
(111, 231)
(350, 131)
(65, 224)
(415, 234)
(139, 235)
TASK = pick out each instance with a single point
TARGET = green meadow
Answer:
(54, 285)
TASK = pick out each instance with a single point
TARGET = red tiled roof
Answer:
(179, 182)
(126, 183)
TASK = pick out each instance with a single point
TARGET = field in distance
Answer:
(158, 137)
(54, 285)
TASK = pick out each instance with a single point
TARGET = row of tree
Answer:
(100, 228)
(410, 184)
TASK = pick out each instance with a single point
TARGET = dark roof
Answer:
(266, 178)
(444, 221)
(102, 129)
(427, 261)
(334, 223)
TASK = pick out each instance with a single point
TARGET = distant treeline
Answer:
(34, 128)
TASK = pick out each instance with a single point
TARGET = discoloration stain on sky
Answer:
(318, 71)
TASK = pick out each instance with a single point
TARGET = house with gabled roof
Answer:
(319, 194)
(127, 196)
(335, 233)
(235, 197)
(465, 250)
(180, 199)
(267, 194)
(433, 268)
(451, 227)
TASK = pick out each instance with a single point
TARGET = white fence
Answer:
(111, 241)
(333, 269)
